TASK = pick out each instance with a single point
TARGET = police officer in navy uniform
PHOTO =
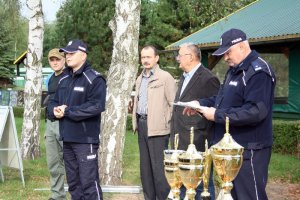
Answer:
(246, 97)
(78, 103)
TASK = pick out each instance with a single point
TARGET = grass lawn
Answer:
(282, 167)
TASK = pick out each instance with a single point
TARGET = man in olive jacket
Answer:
(155, 92)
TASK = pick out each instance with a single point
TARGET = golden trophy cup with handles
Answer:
(227, 156)
(172, 170)
(191, 168)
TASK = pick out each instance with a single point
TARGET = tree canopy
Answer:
(88, 21)
(162, 23)
(13, 39)
(6, 44)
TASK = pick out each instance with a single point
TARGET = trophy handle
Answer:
(176, 141)
(205, 195)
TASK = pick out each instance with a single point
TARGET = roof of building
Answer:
(264, 21)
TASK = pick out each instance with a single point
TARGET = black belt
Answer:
(141, 116)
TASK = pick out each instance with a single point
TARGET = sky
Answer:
(50, 7)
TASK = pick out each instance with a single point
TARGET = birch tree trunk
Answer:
(30, 146)
(121, 78)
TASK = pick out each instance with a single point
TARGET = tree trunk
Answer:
(121, 78)
(30, 146)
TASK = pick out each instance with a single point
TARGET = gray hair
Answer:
(193, 48)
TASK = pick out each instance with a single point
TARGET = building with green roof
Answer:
(273, 29)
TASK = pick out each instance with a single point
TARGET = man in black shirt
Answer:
(54, 147)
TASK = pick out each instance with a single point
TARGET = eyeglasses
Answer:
(180, 55)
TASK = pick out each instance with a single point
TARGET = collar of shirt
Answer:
(190, 74)
(187, 77)
(152, 71)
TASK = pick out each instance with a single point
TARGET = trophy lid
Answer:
(227, 142)
(176, 152)
(191, 152)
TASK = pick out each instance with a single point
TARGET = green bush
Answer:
(129, 122)
(19, 111)
(286, 137)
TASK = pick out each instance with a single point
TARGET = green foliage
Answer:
(88, 21)
(162, 23)
(19, 111)
(286, 137)
(51, 41)
(6, 68)
(129, 122)
(17, 25)
(10, 36)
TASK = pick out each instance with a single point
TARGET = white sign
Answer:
(9, 145)
(3, 117)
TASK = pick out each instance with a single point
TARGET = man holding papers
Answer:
(246, 98)
(196, 82)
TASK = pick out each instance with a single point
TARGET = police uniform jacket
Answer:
(246, 97)
(84, 93)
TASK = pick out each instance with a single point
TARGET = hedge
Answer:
(286, 137)
(19, 111)
(286, 133)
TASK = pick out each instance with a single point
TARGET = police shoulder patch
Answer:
(257, 65)
(260, 64)
(91, 75)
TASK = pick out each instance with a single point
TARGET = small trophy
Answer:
(205, 195)
(191, 168)
(172, 170)
(227, 157)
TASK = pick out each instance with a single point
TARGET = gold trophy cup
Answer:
(227, 158)
(172, 170)
(191, 168)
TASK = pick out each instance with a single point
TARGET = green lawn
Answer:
(282, 167)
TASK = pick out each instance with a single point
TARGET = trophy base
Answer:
(205, 195)
(190, 194)
(174, 195)
(224, 196)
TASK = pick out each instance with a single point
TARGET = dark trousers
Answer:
(251, 181)
(154, 182)
(81, 163)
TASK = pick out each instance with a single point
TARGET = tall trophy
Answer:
(205, 195)
(227, 158)
(191, 168)
(172, 170)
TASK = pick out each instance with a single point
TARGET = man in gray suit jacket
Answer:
(196, 82)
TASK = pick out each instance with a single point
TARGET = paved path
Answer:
(276, 191)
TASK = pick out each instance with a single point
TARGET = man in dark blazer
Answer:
(196, 82)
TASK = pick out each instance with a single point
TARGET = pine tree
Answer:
(88, 21)
(6, 55)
